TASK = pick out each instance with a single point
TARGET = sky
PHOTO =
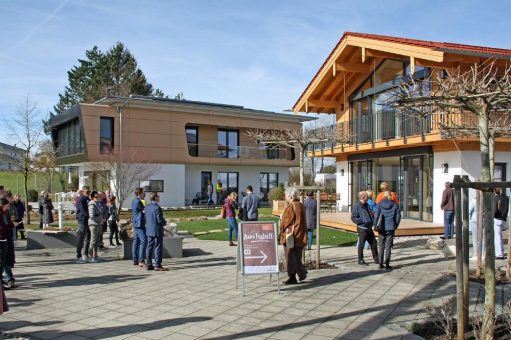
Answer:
(258, 54)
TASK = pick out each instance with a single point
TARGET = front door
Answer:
(412, 189)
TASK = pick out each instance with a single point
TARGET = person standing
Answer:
(20, 208)
(390, 221)
(95, 223)
(294, 221)
(384, 186)
(8, 258)
(501, 210)
(154, 233)
(230, 216)
(83, 231)
(102, 202)
(113, 220)
(447, 206)
(210, 193)
(251, 204)
(139, 237)
(311, 213)
(47, 207)
(218, 190)
(4, 230)
(362, 217)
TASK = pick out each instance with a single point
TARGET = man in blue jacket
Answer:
(139, 237)
(363, 217)
(154, 233)
(83, 232)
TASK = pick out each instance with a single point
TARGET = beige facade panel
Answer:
(149, 140)
(149, 126)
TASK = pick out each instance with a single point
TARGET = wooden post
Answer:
(318, 205)
(479, 203)
(465, 241)
(459, 259)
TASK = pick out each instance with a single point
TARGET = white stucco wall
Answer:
(247, 175)
(342, 186)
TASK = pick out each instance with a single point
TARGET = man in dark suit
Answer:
(139, 237)
(154, 232)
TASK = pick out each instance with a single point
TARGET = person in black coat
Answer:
(362, 216)
(387, 220)
(311, 212)
(500, 217)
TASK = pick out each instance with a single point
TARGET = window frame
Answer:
(150, 187)
(112, 131)
(193, 146)
(224, 151)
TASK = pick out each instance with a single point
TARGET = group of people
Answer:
(382, 215)
(218, 191)
(247, 211)
(148, 223)
(500, 214)
(94, 213)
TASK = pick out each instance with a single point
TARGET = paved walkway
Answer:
(58, 299)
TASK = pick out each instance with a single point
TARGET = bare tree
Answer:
(25, 131)
(300, 140)
(46, 163)
(468, 101)
(124, 175)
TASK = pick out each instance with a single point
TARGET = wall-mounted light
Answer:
(342, 172)
(445, 168)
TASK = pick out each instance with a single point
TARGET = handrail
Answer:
(239, 152)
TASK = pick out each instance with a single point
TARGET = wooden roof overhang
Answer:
(356, 55)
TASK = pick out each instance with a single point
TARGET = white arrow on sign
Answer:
(264, 257)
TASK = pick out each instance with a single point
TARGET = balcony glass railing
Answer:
(239, 152)
(388, 125)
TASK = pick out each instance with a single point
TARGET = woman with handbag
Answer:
(229, 209)
(293, 236)
(387, 220)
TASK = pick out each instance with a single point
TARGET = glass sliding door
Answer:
(229, 183)
(267, 182)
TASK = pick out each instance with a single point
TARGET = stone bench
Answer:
(172, 247)
(47, 239)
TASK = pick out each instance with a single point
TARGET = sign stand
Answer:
(257, 251)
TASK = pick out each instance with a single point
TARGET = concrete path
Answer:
(196, 298)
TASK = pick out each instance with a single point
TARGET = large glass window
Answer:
(106, 135)
(500, 172)
(228, 143)
(229, 183)
(192, 138)
(267, 182)
(205, 180)
(387, 71)
(68, 139)
(152, 185)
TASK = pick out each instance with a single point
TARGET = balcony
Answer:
(240, 152)
(386, 126)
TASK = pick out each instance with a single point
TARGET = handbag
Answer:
(379, 224)
(290, 237)
(223, 212)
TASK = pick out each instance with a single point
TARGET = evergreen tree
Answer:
(114, 73)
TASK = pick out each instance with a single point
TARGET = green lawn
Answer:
(328, 236)
(14, 181)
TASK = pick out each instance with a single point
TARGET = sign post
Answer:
(257, 251)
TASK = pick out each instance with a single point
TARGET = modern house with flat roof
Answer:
(10, 156)
(410, 153)
(192, 143)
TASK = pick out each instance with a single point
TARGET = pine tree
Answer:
(114, 73)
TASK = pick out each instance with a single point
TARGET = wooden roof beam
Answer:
(381, 54)
(431, 64)
(318, 103)
(352, 67)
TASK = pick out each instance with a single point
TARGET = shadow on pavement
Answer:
(80, 281)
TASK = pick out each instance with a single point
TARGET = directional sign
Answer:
(258, 248)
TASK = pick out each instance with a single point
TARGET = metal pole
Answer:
(318, 205)
(464, 206)
(459, 260)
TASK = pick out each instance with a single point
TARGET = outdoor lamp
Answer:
(342, 172)
(445, 168)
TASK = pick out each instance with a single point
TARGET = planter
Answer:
(47, 239)
(172, 247)
(278, 207)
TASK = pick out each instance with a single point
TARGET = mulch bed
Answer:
(431, 331)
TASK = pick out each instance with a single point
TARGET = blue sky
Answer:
(259, 54)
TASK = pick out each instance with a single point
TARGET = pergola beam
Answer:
(352, 67)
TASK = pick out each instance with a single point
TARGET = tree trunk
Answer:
(25, 181)
(465, 241)
(487, 211)
(459, 262)
(509, 248)
(480, 232)
(301, 167)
